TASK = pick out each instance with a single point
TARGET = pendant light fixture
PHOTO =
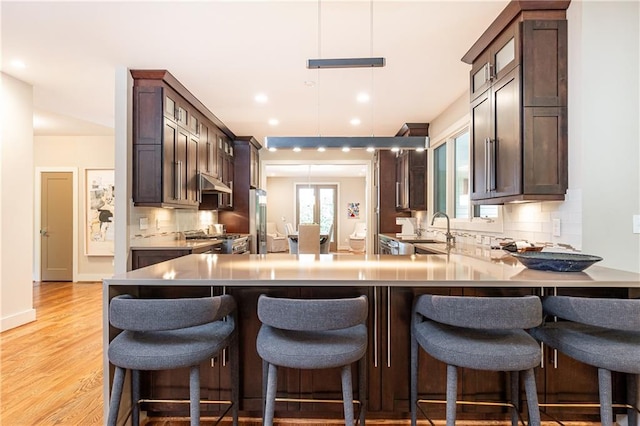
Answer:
(323, 142)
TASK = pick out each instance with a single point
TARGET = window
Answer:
(451, 179)
(461, 189)
(440, 179)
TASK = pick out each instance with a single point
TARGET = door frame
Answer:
(37, 205)
(367, 163)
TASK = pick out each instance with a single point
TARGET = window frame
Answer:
(469, 223)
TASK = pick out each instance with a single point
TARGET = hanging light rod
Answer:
(376, 142)
(346, 63)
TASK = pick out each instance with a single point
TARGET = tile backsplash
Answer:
(533, 222)
(161, 222)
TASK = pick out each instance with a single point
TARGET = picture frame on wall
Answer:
(353, 210)
(99, 217)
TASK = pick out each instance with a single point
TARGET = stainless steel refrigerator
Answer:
(258, 220)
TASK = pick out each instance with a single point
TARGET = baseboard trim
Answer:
(91, 277)
(21, 318)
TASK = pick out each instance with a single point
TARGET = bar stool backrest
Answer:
(482, 312)
(619, 314)
(312, 314)
(128, 313)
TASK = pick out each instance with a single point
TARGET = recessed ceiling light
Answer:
(363, 97)
(17, 63)
(346, 149)
(321, 149)
(261, 98)
(274, 122)
(355, 121)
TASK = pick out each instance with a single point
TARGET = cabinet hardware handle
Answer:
(179, 180)
(490, 67)
(541, 354)
(231, 195)
(486, 72)
(486, 165)
(199, 186)
(389, 326)
(375, 327)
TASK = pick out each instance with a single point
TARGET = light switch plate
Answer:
(555, 225)
(144, 223)
(636, 223)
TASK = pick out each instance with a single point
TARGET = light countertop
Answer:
(450, 270)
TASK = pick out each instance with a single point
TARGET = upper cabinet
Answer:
(411, 172)
(174, 140)
(518, 87)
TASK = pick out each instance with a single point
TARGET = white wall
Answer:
(281, 196)
(605, 43)
(81, 152)
(16, 202)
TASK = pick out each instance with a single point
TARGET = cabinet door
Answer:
(193, 187)
(180, 165)
(402, 185)
(170, 189)
(205, 158)
(479, 76)
(505, 52)
(480, 136)
(505, 147)
(417, 180)
(545, 150)
(142, 258)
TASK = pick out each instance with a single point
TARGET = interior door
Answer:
(317, 204)
(56, 226)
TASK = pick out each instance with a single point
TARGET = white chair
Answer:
(292, 238)
(309, 238)
(357, 240)
(276, 242)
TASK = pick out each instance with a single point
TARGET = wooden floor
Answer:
(51, 369)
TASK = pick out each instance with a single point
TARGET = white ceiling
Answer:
(226, 52)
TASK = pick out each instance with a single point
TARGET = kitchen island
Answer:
(390, 283)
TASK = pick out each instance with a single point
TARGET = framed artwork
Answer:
(100, 198)
(353, 210)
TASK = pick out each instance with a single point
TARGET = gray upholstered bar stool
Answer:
(604, 333)
(161, 334)
(483, 333)
(313, 334)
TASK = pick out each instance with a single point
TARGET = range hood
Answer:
(212, 185)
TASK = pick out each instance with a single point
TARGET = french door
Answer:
(317, 204)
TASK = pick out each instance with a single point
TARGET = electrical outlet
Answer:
(636, 223)
(555, 225)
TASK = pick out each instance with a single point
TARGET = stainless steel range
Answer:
(231, 243)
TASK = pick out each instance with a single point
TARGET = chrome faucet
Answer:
(450, 238)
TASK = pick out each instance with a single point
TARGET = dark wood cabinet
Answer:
(175, 138)
(147, 257)
(518, 87)
(411, 180)
(411, 171)
(245, 156)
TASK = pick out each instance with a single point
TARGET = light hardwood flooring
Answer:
(51, 369)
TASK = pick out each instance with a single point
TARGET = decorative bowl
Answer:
(556, 262)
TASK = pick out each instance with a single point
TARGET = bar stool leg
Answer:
(514, 376)
(235, 379)
(347, 394)
(632, 398)
(135, 397)
(272, 385)
(532, 397)
(116, 394)
(604, 383)
(194, 392)
(452, 394)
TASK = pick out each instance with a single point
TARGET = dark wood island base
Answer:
(390, 283)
